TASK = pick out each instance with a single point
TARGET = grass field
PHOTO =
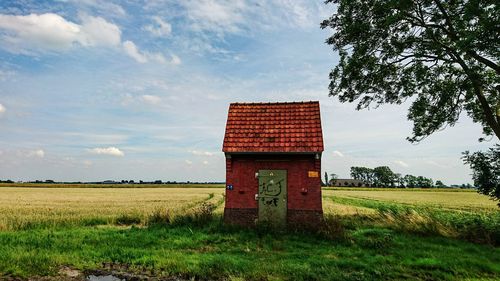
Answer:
(176, 231)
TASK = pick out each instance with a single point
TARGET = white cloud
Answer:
(189, 162)
(113, 151)
(151, 99)
(36, 153)
(338, 153)
(436, 164)
(103, 6)
(175, 60)
(142, 57)
(215, 15)
(401, 163)
(298, 13)
(201, 153)
(51, 32)
(48, 31)
(205, 162)
(156, 57)
(248, 18)
(2, 109)
(223, 16)
(131, 50)
(97, 31)
(160, 29)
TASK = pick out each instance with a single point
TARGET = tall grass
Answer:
(462, 200)
(478, 227)
(216, 252)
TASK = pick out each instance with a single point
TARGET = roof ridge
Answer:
(273, 103)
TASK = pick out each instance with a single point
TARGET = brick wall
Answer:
(303, 191)
(297, 219)
(240, 216)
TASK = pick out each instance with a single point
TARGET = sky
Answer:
(96, 90)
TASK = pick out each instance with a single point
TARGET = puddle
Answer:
(103, 278)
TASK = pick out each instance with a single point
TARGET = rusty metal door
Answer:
(273, 197)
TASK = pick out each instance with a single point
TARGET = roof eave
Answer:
(273, 152)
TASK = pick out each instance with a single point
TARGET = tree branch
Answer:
(455, 38)
(478, 89)
(485, 61)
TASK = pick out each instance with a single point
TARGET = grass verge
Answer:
(215, 252)
(197, 245)
(478, 227)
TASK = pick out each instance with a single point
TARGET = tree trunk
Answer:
(488, 114)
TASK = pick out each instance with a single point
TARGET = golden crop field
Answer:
(24, 206)
(330, 207)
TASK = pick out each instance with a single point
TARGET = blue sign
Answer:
(229, 187)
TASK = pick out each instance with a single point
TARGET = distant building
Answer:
(348, 183)
(110, 182)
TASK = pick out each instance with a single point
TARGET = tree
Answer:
(326, 179)
(333, 179)
(363, 174)
(439, 184)
(384, 176)
(486, 171)
(423, 182)
(399, 180)
(444, 55)
(410, 181)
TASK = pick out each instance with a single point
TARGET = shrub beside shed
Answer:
(273, 164)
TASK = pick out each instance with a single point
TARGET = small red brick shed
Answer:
(273, 164)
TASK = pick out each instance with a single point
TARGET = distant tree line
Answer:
(6, 181)
(114, 182)
(383, 176)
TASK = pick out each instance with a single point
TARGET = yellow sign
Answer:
(313, 174)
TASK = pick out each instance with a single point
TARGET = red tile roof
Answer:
(273, 127)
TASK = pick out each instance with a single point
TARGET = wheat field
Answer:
(28, 207)
(24, 207)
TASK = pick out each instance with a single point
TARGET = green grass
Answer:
(368, 235)
(456, 199)
(480, 226)
(399, 189)
(213, 251)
